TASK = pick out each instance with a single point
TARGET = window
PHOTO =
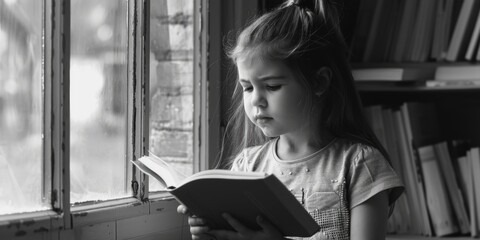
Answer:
(86, 86)
(21, 108)
(98, 100)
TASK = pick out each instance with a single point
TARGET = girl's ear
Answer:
(322, 80)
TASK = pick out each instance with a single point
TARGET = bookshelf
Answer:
(439, 111)
(412, 237)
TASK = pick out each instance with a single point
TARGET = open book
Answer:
(245, 195)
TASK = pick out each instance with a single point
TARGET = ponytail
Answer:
(327, 9)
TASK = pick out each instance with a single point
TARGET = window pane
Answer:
(21, 107)
(98, 100)
(171, 83)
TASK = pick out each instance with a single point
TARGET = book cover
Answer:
(471, 194)
(419, 221)
(378, 23)
(463, 30)
(414, 136)
(457, 72)
(401, 214)
(475, 158)
(244, 195)
(465, 170)
(453, 189)
(439, 28)
(448, 22)
(473, 42)
(393, 37)
(458, 152)
(404, 32)
(424, 31)
(393, 74)
(423, 124)
(438, 204)
(381, 41)
(362, 29)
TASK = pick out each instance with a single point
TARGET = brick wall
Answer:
(171, 82)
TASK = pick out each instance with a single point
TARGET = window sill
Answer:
(28, 223)
(161, 206)
(121, 209)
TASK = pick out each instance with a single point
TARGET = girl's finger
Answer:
(267, 226)
(182, 209)
(203, 237)
(237, 225)
(195, 221)
(199, 230)
(222, 234)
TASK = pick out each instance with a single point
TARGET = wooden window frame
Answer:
(55, 223)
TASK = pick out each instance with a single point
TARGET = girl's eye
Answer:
(274, 88)
(248, 89)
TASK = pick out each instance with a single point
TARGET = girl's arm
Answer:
(369, 219)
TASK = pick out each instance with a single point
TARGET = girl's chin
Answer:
(269, 133)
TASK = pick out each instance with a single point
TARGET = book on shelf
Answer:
(385, 33)
(374, 31)
(420, 224)
(465, 170)
(422, 32)
(393, 73)
(473, 42)
(457, 72)
(458, 152)
(362, 27)
(381, 120)
(452, 186)
(422, 128)
(475, 160)
(466, 166)
(439, 207)
(244, 195)
(399, 7)
(453, 84)
(407, 21)
(463, 30)
(442, 28)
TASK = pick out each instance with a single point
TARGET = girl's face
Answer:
(272, 96)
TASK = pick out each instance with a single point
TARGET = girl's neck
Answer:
(296, 147)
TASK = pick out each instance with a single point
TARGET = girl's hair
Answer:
(306, 36)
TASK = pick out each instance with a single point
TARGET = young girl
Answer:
(301, 119)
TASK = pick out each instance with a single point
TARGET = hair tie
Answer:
(305, 4)
(298, 3)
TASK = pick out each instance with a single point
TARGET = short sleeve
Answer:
(239, 163)
(370, 173)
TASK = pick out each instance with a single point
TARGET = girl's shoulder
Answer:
(356, 149)
(245, 159)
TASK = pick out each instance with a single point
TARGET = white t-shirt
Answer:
(329, 182)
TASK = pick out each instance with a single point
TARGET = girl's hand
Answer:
(198, 226)
(268, 231)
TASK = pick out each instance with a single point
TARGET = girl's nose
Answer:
(258, 100)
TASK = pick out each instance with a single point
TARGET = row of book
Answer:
(431, 75)
(416, 31)
(442, 178)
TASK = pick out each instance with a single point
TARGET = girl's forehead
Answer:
(255, 61)
(258, 66)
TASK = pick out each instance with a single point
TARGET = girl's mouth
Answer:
(262, 119)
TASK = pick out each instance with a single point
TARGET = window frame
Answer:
(56, 139)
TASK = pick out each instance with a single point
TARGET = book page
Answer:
(154, 166)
